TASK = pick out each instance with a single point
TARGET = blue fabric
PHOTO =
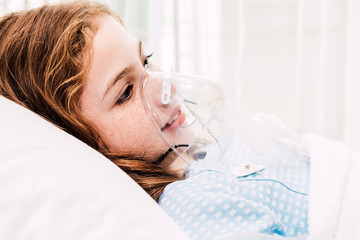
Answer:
(212, 202)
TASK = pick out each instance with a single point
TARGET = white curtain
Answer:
(297, 59)
(351, 124)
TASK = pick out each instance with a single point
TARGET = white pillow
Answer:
(53, 186)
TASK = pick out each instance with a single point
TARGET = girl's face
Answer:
(111, 97)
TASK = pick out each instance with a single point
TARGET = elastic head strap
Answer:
(162, 157)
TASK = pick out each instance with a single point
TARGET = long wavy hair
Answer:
(43, 56)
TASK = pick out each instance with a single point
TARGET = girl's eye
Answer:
(146, 61)
(126, 95)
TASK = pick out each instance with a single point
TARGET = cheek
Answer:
(132, 131)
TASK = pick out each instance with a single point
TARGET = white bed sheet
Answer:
(53, 186)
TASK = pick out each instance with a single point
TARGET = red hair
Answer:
(42, 68)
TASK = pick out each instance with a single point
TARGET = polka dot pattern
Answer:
(211, 202)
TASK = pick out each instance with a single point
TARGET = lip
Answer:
(177, 122)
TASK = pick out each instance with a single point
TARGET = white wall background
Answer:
(297, 59)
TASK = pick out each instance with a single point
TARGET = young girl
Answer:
(50, 65)
(77, 66)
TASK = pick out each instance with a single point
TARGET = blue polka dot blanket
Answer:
(244, 197)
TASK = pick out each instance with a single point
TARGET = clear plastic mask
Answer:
(191, 113)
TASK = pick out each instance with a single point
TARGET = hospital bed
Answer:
(53, 186)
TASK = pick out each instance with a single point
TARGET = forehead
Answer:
(113, 49)
(112, 35)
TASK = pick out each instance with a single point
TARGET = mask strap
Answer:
(162, 157)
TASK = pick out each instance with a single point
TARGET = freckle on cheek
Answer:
(133, 130)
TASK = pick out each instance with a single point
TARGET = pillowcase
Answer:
(54, 186)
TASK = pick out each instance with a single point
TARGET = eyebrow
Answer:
(122, 73)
